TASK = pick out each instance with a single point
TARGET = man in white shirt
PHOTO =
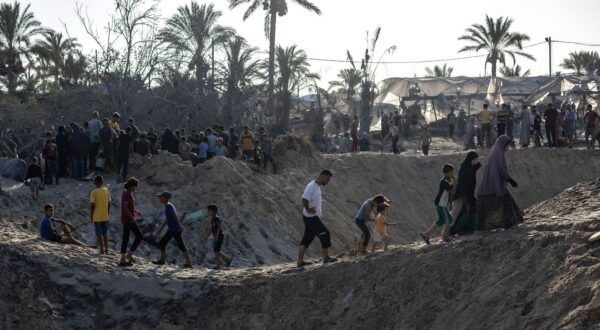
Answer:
(311, 200)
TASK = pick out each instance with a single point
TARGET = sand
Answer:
(542, 274)
(262, 212)
(538, 275)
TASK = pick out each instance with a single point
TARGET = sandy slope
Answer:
(262, 212)
(542, 274)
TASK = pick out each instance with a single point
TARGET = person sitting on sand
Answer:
(129, 222)
(174, 231)
(443, 202)
(99, 212)
(495, 206)
(366, 214)
(57, 230)
(381, 227)
(216, 229)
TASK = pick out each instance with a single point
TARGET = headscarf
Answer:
(467, 178)
(470, 156)
(495, 173)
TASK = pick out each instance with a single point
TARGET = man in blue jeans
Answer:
(311, 200)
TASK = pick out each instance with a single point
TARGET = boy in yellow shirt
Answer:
(99, 210)
(381, 227)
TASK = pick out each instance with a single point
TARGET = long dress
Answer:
(495, 206)
(526, 122)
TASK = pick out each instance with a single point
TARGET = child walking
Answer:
(34, 174)
(381, 227)
(174, 231)
(443, 202)
(216, 229)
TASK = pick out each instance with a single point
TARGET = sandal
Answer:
(124, 264)
(304, 263)
(187, 266)
(426, 239)
(158, 262)
(228, 263)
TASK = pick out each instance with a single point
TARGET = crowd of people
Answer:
(103, 145)
(459, 207)
(558, 123)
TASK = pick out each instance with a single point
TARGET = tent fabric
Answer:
(531, 89)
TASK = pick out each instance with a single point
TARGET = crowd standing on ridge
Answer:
(460, 208)
(104, 145)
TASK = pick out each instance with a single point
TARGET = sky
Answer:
(421, 30)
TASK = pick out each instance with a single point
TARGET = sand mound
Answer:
(542, 274)
(262, 216)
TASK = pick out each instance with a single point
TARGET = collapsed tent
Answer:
(475, 91)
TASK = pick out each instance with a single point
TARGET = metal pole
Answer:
(549, 40)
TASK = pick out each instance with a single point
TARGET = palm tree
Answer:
(240, 71)
(272, 8)
(514, 71)
(440, 71)
(194, 32)
(53, 50)
(16, 30)
(291, 65)
(349, 80)
(582, 61)
(368, 86)
(497, 40)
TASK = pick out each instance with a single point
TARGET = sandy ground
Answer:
(262, 212)
(541, 274)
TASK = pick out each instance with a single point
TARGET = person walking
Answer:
(174, 230)
(464, 199)
(366, 214)
(495, 206)
(311, 214)
(128, 218)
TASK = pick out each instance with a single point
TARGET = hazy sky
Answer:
(421, 30)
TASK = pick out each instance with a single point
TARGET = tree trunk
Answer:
(285, 120)
(272, 33)
(12, 82)
(494, 63)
